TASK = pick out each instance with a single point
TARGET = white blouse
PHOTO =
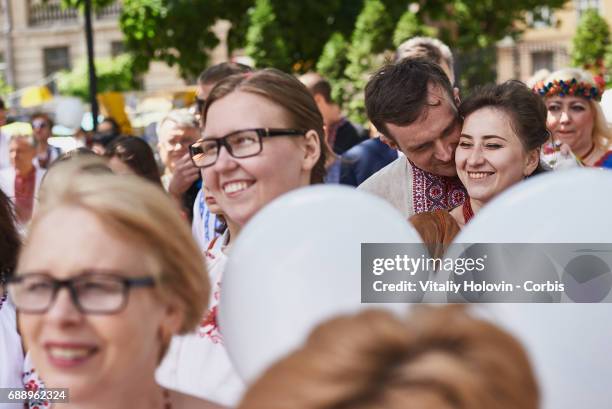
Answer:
(11, 353)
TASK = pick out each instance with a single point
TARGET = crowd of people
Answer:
(141, 252)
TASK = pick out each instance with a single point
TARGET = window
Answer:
(584, 5)
(541, 17)
(117, 48)
(542, 60)
(56, 59)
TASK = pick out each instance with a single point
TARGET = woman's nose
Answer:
(565, 117)
(476, 157)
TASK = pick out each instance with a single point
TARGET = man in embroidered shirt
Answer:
(20, 182)
(413, 106)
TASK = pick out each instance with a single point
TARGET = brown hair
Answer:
(137, 154)
(9, 238)
(440, 358)
(525, 109)
(285, 91)
(397, 93)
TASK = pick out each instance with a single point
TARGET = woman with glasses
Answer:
(263, 136)
(108, 274)
(11, 353)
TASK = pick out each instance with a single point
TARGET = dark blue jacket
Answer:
(363, 160)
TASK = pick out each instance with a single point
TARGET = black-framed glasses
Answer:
(91, 292)
(239, 144)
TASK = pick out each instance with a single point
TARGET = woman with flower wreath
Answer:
(575, 118)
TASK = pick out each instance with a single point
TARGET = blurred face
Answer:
(21, 154)
(430, 141)
(174, 142)
(91, 354)
(490, 156)
(243, 186)
(211, 202)
(571, 120)
(41, 129)
(105, 127)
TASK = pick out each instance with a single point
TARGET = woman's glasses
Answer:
(239, 144)
(91, 292)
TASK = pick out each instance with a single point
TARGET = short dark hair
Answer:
(218, 72)
(137, 154)
(526, 109)
(397, 93)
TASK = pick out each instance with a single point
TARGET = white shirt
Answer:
(11, 353)
(197, 363)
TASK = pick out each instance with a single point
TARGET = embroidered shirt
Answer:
(433, 192)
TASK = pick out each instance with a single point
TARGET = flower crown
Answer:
(572, 88)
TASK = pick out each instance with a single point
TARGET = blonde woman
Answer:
(108, 274)
(575, 117)
(438, 358)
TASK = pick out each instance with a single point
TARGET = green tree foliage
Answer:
(591, 41)
(373, 29)
(265, 43)
(5, 89)
(96, 4)
(332, 64)
(333, 60)
(114, 74)
(177, 32)
(409, 26)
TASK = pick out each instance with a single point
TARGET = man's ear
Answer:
(312, 149)
(389, 142)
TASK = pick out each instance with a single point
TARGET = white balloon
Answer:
(296, 264)
(573, 206)
(69, 112)
(570, 345)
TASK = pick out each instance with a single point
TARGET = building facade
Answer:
(44, 38)
(546, 44)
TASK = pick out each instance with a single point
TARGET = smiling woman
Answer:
(263, 137)
(575, 117)
(97, 260)
(503, 129)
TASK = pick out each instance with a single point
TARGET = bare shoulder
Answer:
(184, 401)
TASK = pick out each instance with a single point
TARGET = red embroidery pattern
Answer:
(31, 382)
(432, 192)
(209, 326)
